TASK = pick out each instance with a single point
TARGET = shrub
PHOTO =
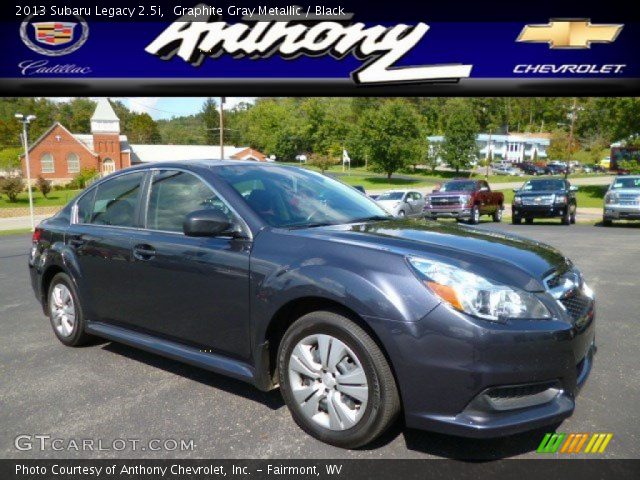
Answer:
(11, 187)
(44, 186)
(80, 179)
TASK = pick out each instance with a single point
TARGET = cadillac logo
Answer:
(47, 37)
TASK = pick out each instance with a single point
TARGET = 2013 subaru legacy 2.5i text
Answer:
(280, 276)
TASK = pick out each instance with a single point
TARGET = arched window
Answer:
(108, 166)
(46, 163)
(73, 163)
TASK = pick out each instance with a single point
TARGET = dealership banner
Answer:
(359, 48)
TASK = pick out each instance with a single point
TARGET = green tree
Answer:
(211, 118)
(43, 185)
(11, 187)
(143, 129)
(559, 148)
(459, 148)
(393, 135)
(10, 158)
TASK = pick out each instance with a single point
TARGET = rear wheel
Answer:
(336, 381)
(497, 215)
(65, 312)
(529, 220)
(401, 214)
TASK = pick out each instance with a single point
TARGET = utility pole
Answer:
(573, 121)
(221, 128)
(26, 120)
(489, 154)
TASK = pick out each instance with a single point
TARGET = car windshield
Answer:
(390, 196)
(626, 182)
(287, 197)
(542, 185)
(458, 187)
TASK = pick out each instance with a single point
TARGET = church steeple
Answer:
(104, 119)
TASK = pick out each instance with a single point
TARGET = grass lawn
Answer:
(590, 196)
(372, 182)
(55, 198)
(17, 231)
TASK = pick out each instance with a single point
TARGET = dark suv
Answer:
(279, 276)
(545, 198)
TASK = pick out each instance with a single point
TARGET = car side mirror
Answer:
(516, 190)
(484, 189)
(573, 188)
(435, 190)
(206, 223)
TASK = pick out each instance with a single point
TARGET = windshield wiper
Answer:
(309, 225)
(372, 218)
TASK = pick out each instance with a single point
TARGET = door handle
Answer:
(144, 252)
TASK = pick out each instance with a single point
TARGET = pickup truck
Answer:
(622, 201)
(464, 199)
(544, 198)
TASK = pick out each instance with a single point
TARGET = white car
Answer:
(507, 171)
(402, 203)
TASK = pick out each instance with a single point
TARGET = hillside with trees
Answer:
(388, 134)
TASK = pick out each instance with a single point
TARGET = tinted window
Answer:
(542, 185)
(458, 187)
(391, 196)
(176, 194)
(626, 182)
(294, 197)
(115, 201)
(85, 207)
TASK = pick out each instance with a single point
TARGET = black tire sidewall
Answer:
(322, 323)
(78, 335)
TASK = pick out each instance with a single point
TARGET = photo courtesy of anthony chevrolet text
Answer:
(338, 239)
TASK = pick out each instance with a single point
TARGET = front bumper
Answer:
(447, 361)
(457, 212)
(538, 211)
(621, 212)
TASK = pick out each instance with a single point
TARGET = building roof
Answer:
(104, 111)
(166, 153)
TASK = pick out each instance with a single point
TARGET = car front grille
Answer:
(629, 199)
(538, 200)
(576, 304)
(445, 201)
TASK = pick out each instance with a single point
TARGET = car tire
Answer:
(401, 214)
(474, 219)
(566, 218)
(65, 312)
(348, 426)
(497, 215)
(516, 220)
(606, 222)
(573, 216)
(529, 221)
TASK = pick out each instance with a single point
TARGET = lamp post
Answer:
(221, 128)
(26, 120)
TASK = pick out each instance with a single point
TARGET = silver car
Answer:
(402, 203)
(622, 201)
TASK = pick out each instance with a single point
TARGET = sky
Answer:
(167, 107)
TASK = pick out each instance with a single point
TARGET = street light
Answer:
(26, 120)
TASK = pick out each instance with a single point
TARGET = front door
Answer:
(108, 166)
(192, 290)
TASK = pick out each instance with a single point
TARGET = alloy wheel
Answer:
(328, 382)
(63, 310)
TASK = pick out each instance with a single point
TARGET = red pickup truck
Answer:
(464, 199)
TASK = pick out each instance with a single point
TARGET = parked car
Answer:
(402, 203)
(360, 188)
(622, 200)
(555, 169)
(507, 171)
(464, 200)
(282, 277)
(532, 169)
(545, 198)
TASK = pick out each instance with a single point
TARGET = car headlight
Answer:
(475, 295)
(465, 199)
(517, 200)
(611, 198)
(561, 199)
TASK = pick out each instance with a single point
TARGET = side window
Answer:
(115, 201)
(85, 207)
(174, 195)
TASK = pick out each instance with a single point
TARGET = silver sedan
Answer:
(402, 203)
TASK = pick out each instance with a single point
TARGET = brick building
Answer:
(58, 155)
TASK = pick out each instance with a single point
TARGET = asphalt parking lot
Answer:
(109, 391)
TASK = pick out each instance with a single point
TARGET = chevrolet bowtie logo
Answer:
(569, 33)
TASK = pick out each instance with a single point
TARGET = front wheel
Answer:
(606, 222)
(401, 214)
(516, 219)
(336, 381)
(475, 215)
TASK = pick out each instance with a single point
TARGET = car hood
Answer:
(452, 193)
(505, 258)
(626, 191)
(522, 193)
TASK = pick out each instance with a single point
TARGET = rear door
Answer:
(193, 290)
(100, 235)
